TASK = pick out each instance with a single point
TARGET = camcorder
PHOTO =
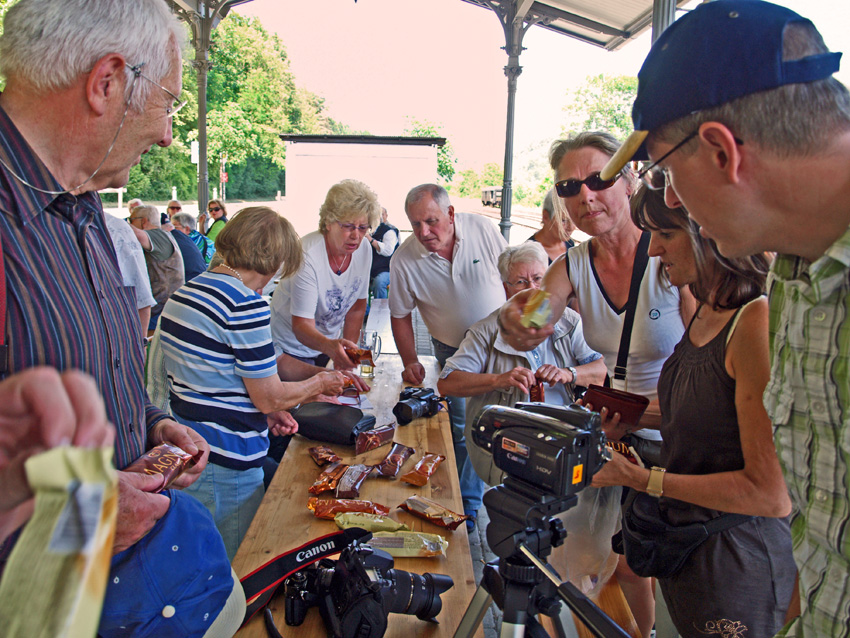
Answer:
(356, 593)
(416, 402)
(543, 448)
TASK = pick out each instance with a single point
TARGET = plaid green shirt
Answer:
(807, 399)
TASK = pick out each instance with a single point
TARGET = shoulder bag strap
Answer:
(4, 348)
(639, 267)
(725, 521)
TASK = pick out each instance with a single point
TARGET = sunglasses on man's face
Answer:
(572, 187)
(174, 208)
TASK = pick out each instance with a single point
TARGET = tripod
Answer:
(522, 532)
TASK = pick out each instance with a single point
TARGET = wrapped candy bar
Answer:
(374, 438)
(323, 455)
(536, 392)
(433, 512)
(369, 522)
(328, 508)
(537, 310)
(410, 544)
(360, 355)
(626, 450)
(329, 478)
(427, 465)
(349, 484)
(390, 466)
(166, 459)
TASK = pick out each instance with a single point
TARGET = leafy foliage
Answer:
(446, 159)
(603, 103)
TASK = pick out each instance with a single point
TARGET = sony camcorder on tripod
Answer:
(549, 454)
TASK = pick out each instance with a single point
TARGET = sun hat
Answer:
(174, 582)
(720, 51)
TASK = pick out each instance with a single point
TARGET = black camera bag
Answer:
(331, 422)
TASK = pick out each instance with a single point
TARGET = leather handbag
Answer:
(653, 547)
(630, 406)
(331, 422)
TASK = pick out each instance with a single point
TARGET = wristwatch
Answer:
(572, 372)
(655, 485)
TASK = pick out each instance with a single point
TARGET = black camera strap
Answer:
(262, 583)
(639, 267)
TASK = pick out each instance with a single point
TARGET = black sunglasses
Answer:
(214, 209)
(572, 187)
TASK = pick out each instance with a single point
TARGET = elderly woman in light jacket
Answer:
(489, 371)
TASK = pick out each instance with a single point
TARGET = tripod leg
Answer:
(474, 613)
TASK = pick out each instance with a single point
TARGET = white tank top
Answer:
(657, 329)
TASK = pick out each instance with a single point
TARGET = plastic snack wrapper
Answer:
(537, 393)
(329, 478)
(330, 507)
(56, 575)
(323, 455)
(360, 355)
(349, 484)
(390, 466)
(166, 459)
(537, 310)
(433, 512)
(410, 544)
(374, 438)
(369, 522)
(424, 469)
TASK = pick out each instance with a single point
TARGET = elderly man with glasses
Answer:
(91, 86)
(447, 270)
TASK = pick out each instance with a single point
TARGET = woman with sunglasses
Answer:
(319, 310)
(598, 274)
(218, 212)
(718, 441)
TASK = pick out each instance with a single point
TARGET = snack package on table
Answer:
(349, 484)
(390, 466)
(329, 478)
(369, 522)
(433, 512)
(424, 469)
(374, 438)
(330, 507)
(410, 544)
(323, 455)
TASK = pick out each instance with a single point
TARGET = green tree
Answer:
(446, 159)
(492, 175)
(603, 103)
(469, 184)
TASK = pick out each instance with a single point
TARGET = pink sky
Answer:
(377, 62)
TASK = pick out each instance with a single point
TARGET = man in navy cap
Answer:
(747, 128)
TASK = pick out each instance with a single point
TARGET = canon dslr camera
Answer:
(357, 592)
(416, 402)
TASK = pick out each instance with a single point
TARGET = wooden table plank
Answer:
(284, 522)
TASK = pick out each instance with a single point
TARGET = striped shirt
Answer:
(215, 332)
(807, 398)
(67, 306)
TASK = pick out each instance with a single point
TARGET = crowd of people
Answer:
(714, 284)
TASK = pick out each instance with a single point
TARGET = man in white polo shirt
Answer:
(448, 270)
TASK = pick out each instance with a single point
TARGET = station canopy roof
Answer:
(609, 24)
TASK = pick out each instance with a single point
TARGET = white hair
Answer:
(186, 220)
(529, 252)
(148, 212)
(49, 43)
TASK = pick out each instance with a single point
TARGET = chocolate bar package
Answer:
(349, 484)
(369, 522)
(360, 355)
(166, 459)
(536, 393)
(323, 455)
(374, 438)
(433, 512)
(390, 466)
(330, 507)
(329, 478)
(402, 544)
(424, 469)
(537, 310)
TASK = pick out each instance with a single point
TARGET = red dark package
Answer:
(166, 459)
(349, 484)
(330, 507)
(374, 438)
(323, 455)
(359, 355)
(390, 466)
(328, 479)
(427, 465)
(537, 393)
(433, 512)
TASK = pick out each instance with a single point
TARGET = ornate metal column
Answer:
(663, 15)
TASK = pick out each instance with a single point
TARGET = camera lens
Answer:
(408, 409)
(415, 595)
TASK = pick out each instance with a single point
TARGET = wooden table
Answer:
(284, 522)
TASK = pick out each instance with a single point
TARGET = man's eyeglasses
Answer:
(350, 228)
(134, 219)
(572, 187)
(176, 104)
(656, 177)
(214, 209)
(524, 283)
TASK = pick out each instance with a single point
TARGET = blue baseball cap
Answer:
(174, 582)
(720, 51)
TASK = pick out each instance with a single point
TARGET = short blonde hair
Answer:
(348, 200)
(259, 239)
